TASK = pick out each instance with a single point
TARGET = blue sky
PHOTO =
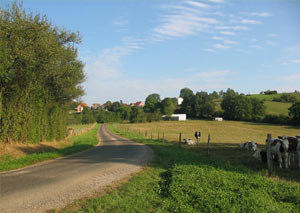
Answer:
(135, 48)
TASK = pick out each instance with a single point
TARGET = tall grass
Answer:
(181, 181)
(78, 143)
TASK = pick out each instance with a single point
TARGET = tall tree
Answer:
(40, 74)
(294, 112)
(168, 106)
(152, 103)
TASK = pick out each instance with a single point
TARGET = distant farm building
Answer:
(138, 104)
(218, 119)
(80, 107)
(175, 117)
(179, 101)
(95, 106)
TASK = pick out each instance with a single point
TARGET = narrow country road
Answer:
(53, 184)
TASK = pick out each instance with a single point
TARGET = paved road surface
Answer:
(55, 183)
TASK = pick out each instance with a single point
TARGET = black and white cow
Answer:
(279, 147)
(250, 146)
(189, 141)
(294, 147)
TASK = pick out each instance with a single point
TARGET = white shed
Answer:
(218, 119)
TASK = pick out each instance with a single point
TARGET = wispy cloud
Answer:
(297, 61)
(271, 43)
(292, 78)
(230, 33)
(221, 46)
(255, 46)
(217, 38)
(250, 21)
(210, 50)
(232, 28)
(182, 20)
(230, 42)
(272, 35)
(262, 14)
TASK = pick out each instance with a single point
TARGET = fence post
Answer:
(179, 139)
(208, 142)
(163, 138)
(269, 156)
(158, 136)
(146, 133)
(151, 135)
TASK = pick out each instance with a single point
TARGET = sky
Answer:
(134, 48)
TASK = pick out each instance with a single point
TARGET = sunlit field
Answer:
(220, 132)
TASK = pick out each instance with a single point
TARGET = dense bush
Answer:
(277, 119)
(39, 74)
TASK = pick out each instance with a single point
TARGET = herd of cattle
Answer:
(281, 148)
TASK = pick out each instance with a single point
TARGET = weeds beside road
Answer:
(74, 145)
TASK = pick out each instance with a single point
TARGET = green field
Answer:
(183, 179)
(277, 108)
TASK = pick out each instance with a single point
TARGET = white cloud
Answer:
(253, 40)
(272, 35)
(271, 43)
(292, 78)
(217, 38)
(210, 50)
(249, 21)
(216, 1)
(232, 28)
(297, 61)
(255, 46)
(221, 46)
(197, 4)
(230, 42)
(213, 75)
(228, 33)
(263, 14)
(181, 21)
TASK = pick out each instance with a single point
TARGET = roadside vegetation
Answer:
(179, 180)
(23, 155)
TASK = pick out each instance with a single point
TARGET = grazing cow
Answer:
(279, 147)
(250, 145)
(294, 147)
(261, 155)
(189, 141)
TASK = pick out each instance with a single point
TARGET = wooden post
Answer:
(208, 142)
(163, 138)
(151, 135)
(158, 136)
(269, 155)
(146, 133)
(179, 139)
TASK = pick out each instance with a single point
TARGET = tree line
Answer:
(39, 74)
(199, 105)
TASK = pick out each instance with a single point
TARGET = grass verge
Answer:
(182, 181)
(77, 144)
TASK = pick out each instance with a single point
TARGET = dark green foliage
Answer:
(39, 72)
(204, 105)
(270, 92)
(155, 116)
(242, 108)
(107, 117)
(88, 116)
(277, 119)
(295, 113)
(287, 98)
(138, 115)
(168, 106)
(152, 103)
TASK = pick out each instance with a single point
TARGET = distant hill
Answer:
(273, 107)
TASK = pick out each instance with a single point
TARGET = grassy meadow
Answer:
(229, 132)
(185, 179)
(277, 108)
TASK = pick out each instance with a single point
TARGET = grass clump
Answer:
(181, 181)
(77, 144)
